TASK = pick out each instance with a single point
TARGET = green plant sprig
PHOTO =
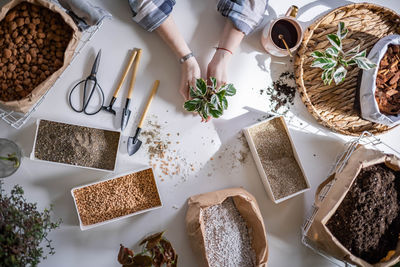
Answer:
(157, 251)
(23, 229)
(208, 100)
(334, 60)
(12, 157)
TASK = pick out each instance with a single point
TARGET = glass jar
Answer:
(10, 157)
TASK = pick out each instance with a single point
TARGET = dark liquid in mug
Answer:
(289, 32)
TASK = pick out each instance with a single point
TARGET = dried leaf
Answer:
(142, 261)
(152, 240)
(125, 255)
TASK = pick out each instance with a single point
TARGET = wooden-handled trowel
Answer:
(133, 142)
(126, 112)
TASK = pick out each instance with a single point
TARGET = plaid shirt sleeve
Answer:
(151, 13)
(245, 14)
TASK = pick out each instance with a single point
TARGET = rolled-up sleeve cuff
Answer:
(245, 17)
(151, 14)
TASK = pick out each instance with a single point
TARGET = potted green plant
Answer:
(157, 251)
(23, 230)
(209, 100)
(334, 61)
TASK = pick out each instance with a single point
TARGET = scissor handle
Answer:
(70, 97)
(85, 102)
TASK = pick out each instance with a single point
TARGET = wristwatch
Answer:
(186, 57)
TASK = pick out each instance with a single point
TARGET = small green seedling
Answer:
(208, 100)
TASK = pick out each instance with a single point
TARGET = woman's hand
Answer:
(218, 67)
(190, 71)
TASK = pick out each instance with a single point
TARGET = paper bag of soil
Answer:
(368, 104)
(319, 231)
(248, 208)
(26, 103)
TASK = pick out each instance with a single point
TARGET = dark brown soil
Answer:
(367, 222)
(76, 145)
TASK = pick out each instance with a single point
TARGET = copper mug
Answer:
(267, 41)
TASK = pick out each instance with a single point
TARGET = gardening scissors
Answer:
(90, 81)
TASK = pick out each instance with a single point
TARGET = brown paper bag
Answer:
(24, 105)
(318, 231)
(247, 207)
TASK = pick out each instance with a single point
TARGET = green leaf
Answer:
(193, 92)
(323, 63)
(360, 54)
(332, 51)
(364, 63)
(193, 104)
(224, 103)
(213, 83)
(342, 30)
(214, 101)
(327, 76)
(339, 75)
(204, 111)
(343, 62)
(230, 89)
(335, 41)
(221, 93)
(216, 113)
(352, 52)
(201, 87)
(351, 62)
(317, 54)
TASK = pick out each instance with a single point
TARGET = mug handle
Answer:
(292, 11)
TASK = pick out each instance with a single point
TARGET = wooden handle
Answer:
(133, 56)
(135, 67)
(146, 108)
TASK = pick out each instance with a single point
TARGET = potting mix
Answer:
(76, 145)
(367, 221)
(274, 150)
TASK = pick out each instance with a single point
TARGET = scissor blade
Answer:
(96, 64)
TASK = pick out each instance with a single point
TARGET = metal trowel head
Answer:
(126, 113)
(134, 143)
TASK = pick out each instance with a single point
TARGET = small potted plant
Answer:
(157, 251)
(209, 100)
(23, 229)
(334, 61)
(10, 157)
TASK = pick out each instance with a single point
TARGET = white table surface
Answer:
(251, 69)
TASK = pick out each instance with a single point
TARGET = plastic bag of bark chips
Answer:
(42, 40)
(226, 229)
(358, 220)
(370, 108)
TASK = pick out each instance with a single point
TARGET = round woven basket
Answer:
(333, 106)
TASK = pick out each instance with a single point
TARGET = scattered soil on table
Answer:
(367, 221)
(166, 160)
(227, 240)
(282, 92)
(276, 154)
(33, 40)
(76, 145)
(387, 92)
(117, 197)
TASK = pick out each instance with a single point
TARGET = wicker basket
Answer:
(331, 105)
